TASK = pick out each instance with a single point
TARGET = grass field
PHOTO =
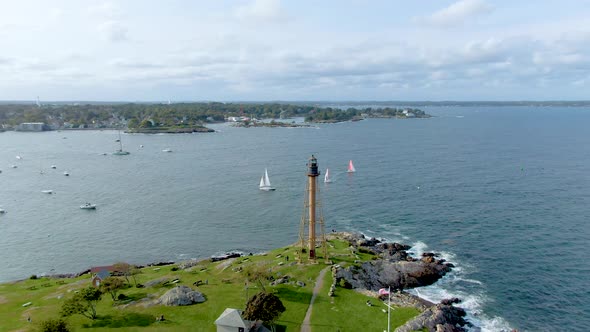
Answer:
(227, 287)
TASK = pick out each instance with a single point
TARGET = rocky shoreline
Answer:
(394, 269)
(397, 270)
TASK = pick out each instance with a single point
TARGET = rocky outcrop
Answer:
(443, 317)
(397, 269)
(378, 274)
(181, 295)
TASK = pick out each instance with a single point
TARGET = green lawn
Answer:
(227, 288)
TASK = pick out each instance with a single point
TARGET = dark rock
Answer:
(451, 301)
(397, 275)
(368, 242)
(225, 256)
(281, 280)
(440, 317)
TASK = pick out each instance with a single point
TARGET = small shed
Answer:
(100, 273)
(231, 321)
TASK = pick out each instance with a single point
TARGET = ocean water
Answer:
(503, 193)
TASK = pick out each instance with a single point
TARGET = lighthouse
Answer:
(312, 215)
(312, 174)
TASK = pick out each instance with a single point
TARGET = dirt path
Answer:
(305, 327)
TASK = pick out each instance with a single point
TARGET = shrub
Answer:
(33, 277)
(54, 325)
(174, 268)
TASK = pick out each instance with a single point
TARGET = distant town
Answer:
(178, 117)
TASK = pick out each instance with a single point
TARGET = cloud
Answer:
(457, 13)
(113, 31)
(105, 10)
(260, 11)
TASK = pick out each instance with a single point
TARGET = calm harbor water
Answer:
(504, 193)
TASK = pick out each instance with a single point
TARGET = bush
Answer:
(121, 297)
(174, 268)
(54, 325)
(33, 277)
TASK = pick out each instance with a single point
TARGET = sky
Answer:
(263, 50)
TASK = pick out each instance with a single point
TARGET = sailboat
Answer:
(327, 176)
(350, 167)
(265, 182)
(120, 151)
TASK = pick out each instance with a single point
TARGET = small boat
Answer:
(141, 146)
(13, 166)
(2, 211)
(66, 173)
(265, 182)
(120, 151)
(88, 206)
(47, 191)
(327, 176)
(351, 168)
(19, 157)
(166, 150)
(53, 166)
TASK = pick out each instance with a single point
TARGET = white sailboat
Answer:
(327, 176)
(265, 182)
(351, 168)
(120, 151)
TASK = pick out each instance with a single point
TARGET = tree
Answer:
(83, 303)
(112, 285)
(124, 269)
(54, 325)
(257, 274)
(264, 306)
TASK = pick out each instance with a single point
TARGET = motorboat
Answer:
(166, 150)
(47, 191)
(2, 211)
(53, 166)
(66, 173)
(88, 206)
(13, 166)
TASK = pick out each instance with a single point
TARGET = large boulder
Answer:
(439, 318)
(378, 274)
(181, 295)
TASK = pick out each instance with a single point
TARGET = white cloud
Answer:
(260, 11)
(458, 13)
(113, 31)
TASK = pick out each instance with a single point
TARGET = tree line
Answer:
(136, 115)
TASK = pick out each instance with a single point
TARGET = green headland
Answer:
(285, 272)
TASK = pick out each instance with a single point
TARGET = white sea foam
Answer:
(448, 287)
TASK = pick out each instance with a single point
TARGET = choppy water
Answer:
(503, 193)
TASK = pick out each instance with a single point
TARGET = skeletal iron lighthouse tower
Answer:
(310, 215)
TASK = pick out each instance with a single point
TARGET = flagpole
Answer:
(389, 309)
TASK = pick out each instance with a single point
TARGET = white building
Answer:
(231, 321)
(31, 126)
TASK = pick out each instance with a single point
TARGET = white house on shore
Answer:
(231, 321)
(32, 126)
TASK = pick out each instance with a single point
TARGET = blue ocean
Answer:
(501, 192)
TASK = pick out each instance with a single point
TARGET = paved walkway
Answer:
(305, 327)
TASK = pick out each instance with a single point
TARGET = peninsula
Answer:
(179, 296)
(178, 117)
